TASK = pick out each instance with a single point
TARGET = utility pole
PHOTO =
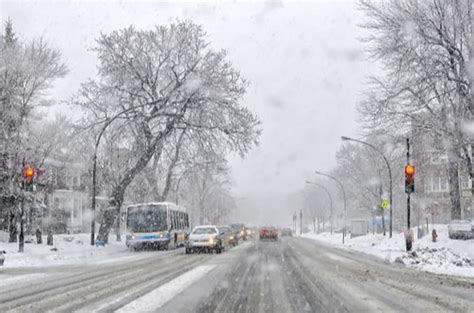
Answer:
(301, 221)
(294, 222)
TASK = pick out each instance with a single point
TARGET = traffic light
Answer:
(409, 179)
(29, 174)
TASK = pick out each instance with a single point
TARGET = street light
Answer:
(344, 138)
(343, 194)
(329, 196)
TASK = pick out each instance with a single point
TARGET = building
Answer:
(432, 197)
(67, 198)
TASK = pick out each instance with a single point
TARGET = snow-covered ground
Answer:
(67, 249)
(446, 256)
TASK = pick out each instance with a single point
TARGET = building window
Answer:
(438, 183)
(465, 182)
(438, 157)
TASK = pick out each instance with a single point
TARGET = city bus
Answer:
(159, 225)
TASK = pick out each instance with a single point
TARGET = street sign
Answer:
(384, 204)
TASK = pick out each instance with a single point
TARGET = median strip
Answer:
(161, 295)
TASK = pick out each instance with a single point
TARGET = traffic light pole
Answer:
(408, 234)
(21, 237)
(409, 193)
(21, 241)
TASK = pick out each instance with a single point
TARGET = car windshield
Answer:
(204, 231)
(211, 156)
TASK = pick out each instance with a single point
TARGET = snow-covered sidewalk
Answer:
(67, 249)
(446, 256)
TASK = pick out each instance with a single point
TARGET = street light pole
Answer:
(344, 138)
(329, 196)
(344, 195)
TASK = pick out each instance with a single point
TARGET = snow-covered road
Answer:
(291, 275)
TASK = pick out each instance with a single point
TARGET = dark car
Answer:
(239, 230)
(229, 237)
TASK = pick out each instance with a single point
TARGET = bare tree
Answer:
(424, 49)
(27, 70)
(158, 81)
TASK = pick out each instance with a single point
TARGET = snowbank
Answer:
(446, 256)
(67, 249)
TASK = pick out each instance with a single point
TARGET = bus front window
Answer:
(146, 219)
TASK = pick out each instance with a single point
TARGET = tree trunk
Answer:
(111, 213)
(12, 229)
(453, 175)
(173, 163)
(201, 213)
(118, 191)
(153, 177)
(118, 234)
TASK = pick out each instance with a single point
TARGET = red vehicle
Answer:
(268, 233)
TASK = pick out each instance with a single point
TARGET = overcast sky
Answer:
(304, 62)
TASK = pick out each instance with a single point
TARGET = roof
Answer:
(206, 226)
(177, 208)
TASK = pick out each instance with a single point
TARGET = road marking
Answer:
(161, 295)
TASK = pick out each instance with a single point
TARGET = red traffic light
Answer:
(410, 170)
(29, 173)
(409, 179)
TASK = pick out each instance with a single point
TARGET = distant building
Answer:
(431, 197)
(68, 199)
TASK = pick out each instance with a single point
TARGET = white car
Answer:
(461, 229)
(204, 238)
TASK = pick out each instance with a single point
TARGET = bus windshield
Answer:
(147, 218)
